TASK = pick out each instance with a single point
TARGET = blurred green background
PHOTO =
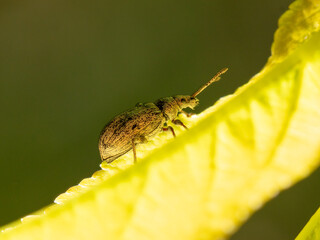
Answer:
(68, 67)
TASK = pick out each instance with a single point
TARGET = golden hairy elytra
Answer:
(145, 120)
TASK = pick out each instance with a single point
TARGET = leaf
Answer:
(235, 156)
(312, 229)
(295, 27)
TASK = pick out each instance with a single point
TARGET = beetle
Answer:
(144, 121)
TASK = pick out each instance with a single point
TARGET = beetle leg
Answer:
(134, 152)
(143, 139)
(178, 122)
(169, 128)
(186, 113)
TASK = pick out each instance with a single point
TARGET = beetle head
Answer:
(185, 101)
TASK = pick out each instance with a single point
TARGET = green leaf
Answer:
(295, 27)
(312, 229)
(235, 156)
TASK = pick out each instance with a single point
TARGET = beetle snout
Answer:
(193, 102)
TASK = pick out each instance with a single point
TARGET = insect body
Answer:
(144, 121)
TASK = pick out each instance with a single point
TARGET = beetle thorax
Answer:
(168, 107)
(171, 106)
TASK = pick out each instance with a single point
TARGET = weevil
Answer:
(145, 120)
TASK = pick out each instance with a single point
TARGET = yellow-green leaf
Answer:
(295, 27)
(312, 230)
(235, 156)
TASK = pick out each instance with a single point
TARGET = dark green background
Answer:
(67, 67)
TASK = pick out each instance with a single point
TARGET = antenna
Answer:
(214, 79)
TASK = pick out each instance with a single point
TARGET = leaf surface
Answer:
(312, 229)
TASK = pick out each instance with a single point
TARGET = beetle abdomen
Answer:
(137, 124)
